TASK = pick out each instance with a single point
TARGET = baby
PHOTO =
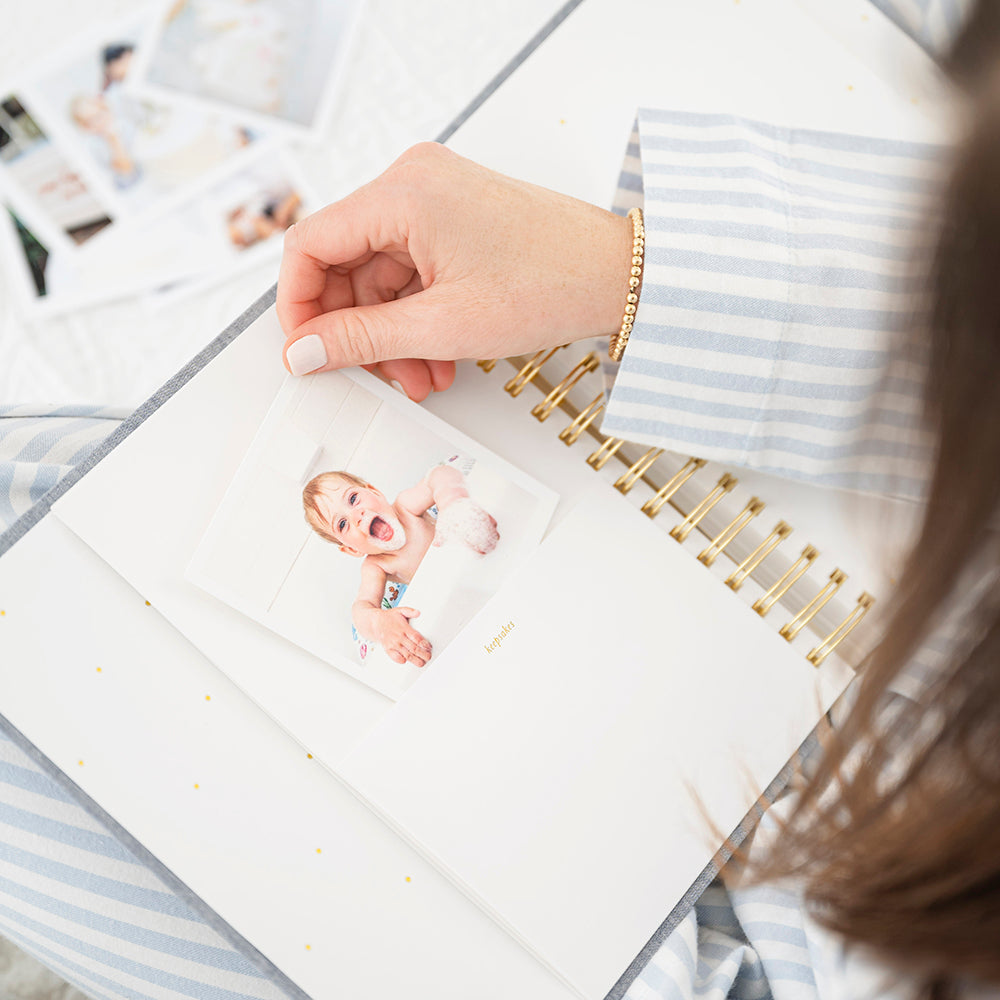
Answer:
(392, 539)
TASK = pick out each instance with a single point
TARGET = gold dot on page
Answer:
(208, 697)
(80, 762)
(98, 669)
(319, 850)
(148, 605)
(309, 947)
(196, 785)
(408, 879)
(309, 755)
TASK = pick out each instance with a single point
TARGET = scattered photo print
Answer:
(275, 59)
(45, 279)
(41, 171)
(35, 254)
(143, 151)
(244, 215)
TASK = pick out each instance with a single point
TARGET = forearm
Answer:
(365, 616)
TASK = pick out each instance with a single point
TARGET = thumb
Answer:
(409, 612)
(365, 335)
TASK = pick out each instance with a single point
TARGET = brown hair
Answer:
(313, 490)
(906, 858)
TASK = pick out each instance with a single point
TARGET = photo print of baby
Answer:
(365, 530)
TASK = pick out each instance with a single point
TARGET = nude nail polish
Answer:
(306, 355)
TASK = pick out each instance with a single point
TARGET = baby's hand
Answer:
(402, 642)
(466, 522)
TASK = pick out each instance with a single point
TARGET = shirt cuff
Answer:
(781, 268)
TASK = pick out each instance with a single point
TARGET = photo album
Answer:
(494, 653)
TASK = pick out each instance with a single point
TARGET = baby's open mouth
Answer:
(380, 530)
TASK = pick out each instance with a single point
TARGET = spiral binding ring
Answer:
(715, 548)
(600, 457)
(764, 604)
(724, 485)
(842, 631)
(487, 366)
(655, 503)
(586, 364)
(529, 371)
(737, 578)
(637, 470)
(568, 435)
(791, 629)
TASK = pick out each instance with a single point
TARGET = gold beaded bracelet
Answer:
(618, 342)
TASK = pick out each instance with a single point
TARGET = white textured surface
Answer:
(413, 68)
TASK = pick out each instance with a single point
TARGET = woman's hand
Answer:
(440, 259)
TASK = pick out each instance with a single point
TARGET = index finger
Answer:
(302, 279)
(339, 237)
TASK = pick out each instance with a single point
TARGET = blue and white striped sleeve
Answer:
(783, 281)
(39, 445)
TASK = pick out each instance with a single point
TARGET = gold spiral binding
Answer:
(654, 504)
(568, 435)
(792, 628)
(529, 371)
(715, 548)
(721, 488)
(543, 410)
(637, 470)
(737, 578)
(844, 629)
(600, 457)
(764, 604)
(611, 445)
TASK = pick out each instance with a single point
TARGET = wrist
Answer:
(446, 497)
(609, 252)
(365, 617)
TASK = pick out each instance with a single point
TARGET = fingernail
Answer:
(397, 386)
(306, 355)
